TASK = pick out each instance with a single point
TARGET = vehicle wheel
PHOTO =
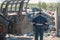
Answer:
(3, 28)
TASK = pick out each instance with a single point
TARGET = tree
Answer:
(43, 5)
(39, 5)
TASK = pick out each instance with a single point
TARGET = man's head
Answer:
(38, 14)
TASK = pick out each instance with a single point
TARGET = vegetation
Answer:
(43, 5)
(46, 6)
(32, 5)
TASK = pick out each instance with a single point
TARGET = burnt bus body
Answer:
(11, 16)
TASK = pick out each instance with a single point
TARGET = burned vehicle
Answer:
(13, 19)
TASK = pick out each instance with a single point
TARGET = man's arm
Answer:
(34, 21)
(45, 21)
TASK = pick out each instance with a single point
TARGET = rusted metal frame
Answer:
(21, 8)
(2, 5)
(26, 6)
(16, 5)
(12, 5)
(19, 20)
(7, 5)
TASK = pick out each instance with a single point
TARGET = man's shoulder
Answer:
(41, 17)
(38, 17)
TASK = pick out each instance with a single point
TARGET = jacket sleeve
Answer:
(45, 21)
(34, 21)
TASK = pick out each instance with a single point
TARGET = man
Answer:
(38, 23)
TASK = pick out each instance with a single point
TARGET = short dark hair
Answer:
(39, 13)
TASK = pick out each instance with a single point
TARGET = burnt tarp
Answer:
(23, 26)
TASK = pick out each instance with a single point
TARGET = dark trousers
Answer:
(39, 31)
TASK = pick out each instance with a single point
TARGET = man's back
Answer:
(39, 19)
(39, 23)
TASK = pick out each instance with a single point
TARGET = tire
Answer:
(3, 38)
(3, 24)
